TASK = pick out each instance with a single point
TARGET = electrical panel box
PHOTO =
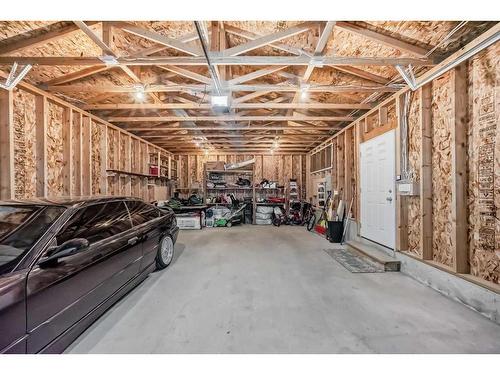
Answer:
(408, 188)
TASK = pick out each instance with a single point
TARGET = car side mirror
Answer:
(66, 249)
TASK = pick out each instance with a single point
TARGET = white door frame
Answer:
(389, 187)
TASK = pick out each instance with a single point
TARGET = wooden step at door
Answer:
(390, 264)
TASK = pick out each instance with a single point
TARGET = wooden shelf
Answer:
(235, 188)
(248, 171)
(117, 171)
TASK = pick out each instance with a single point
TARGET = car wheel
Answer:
(165, 253)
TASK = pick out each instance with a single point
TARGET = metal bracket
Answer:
(12, 80)
(408, 76)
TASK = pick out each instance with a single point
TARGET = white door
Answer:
(378, 199)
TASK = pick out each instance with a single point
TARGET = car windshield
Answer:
(20, 228)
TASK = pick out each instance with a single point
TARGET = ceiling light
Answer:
(109, 60)
(139, 93)
(219, 100)
(206, 151)
(303, 92)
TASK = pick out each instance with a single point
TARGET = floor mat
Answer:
(354, 262)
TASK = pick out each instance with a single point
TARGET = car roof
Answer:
(73, 201)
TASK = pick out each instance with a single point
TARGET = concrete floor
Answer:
(254, 289)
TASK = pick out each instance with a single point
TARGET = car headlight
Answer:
(174, 222)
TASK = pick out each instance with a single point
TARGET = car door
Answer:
(147, 220)
(60, 295)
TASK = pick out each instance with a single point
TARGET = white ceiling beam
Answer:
(95, 38)
(252, 36)
(202, 88)
(188, 74)
(254, 75)
(228, 118)
(216, 60)
(206, 106)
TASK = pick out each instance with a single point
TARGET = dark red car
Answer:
(64, 262)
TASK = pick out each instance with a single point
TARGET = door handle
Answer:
(133, 240)
(389, 199)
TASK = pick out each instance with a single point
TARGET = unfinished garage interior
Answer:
(336, 185)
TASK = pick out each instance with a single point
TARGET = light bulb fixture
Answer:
(139, 94)
(219, 101)
(304, 91)
(206, 151)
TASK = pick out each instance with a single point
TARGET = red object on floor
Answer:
(320, 229)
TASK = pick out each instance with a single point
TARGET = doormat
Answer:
(354, 262)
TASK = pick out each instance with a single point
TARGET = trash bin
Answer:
(335, 230)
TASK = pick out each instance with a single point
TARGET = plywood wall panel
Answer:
(111, 148)
(442, 120)
(258, 168)
(54, 150)
(97, 159)
(24, 144)
(484, 165)
(414, 145)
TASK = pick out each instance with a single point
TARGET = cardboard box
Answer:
(214, 165)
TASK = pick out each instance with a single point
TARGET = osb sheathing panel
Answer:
(280, 168)
(54, 150)
(75, 139)
(192, 170)
(259, 163)
(24, 144)
(123, 146)
(414, 149)
(442, 121)
(97, 138)
(484, 165)
(111, 148)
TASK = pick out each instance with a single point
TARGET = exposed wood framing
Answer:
(40, 37)
(401, 200)
(216, 60)
(78, 151)
(67, 137)
(382, 38)
(426, 171)
(459, 170)
(41, 118)
(348, 163)
(86, 156)
(6, 145)
(228, 118)
(238, 105)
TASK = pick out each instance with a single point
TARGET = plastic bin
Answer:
(335, 230)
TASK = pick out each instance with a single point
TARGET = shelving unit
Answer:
(228, 176)
(260, 192)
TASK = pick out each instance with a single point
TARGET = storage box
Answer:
(217, 165)
(188, 222)
(153, 170)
